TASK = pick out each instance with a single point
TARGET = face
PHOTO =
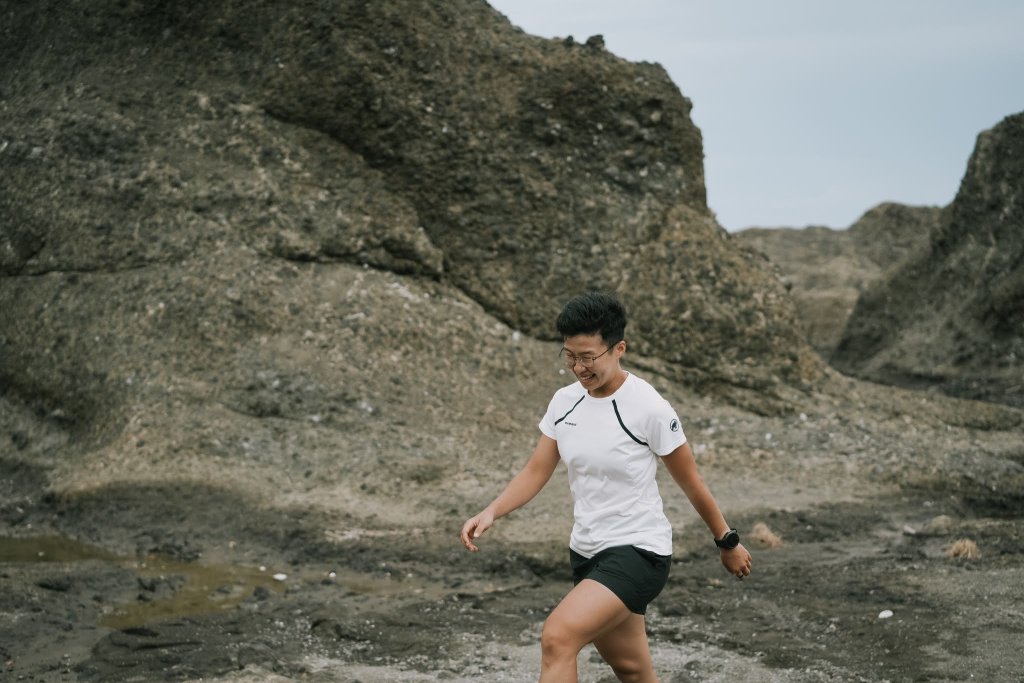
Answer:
(604, 376)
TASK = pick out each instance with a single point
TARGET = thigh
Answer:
(587, 611)
(626, 650)
(633, 574)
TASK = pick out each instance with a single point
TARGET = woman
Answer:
(610, 428)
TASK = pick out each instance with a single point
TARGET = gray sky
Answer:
(812, 111)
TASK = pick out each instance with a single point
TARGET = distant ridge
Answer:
(952, 316)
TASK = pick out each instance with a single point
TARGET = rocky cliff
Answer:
(952, 316)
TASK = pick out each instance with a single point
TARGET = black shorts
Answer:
(635, 575)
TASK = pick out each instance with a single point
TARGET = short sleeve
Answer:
(562, 403)
(547, 423)
(664, 430)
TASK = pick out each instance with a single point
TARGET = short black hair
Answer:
(593, 313)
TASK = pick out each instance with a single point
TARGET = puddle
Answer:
(206, 588)
(50, 549)
(180, 589)
(195, 588)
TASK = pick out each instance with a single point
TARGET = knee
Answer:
(558, 641)
(628, 669)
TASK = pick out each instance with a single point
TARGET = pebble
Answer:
(939, 526)
(885, 614)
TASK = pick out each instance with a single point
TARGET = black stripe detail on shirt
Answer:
(571, 409)
(623, 424)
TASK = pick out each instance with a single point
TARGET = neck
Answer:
(612, 387)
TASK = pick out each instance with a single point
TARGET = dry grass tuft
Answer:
(765, 537)
(963, 548)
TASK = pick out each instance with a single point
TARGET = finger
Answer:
(464, 536)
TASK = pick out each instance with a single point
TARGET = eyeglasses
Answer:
(570, 359)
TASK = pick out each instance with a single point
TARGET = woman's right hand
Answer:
(475, 527)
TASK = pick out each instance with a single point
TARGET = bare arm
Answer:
(683, 468)
(524, 486)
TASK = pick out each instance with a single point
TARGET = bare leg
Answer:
(588, 611)
(626, 650)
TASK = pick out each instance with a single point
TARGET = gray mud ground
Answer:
(163, 583)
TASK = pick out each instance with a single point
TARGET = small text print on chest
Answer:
(571, 424)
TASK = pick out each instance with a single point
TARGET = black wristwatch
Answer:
(730, 540)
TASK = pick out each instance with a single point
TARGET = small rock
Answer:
(148, 583)
(885, 614)
(939, 526)
(60, 584)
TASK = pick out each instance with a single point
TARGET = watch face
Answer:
(729, 541)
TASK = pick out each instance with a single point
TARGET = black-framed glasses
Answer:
(571, 359)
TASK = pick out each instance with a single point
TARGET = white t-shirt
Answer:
(609, 446)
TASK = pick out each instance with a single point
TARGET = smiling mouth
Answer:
(585, 377)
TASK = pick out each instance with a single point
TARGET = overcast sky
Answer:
(812, 111)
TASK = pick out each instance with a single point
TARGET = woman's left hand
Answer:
(737, 561)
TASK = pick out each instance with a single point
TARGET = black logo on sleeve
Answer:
(674, 425)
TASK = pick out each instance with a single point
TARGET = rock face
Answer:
(542, 168)
(952, 316)
(827, 270)
(241, 240)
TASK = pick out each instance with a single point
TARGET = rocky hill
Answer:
(250, 246)
(171, 171)
(826, 270)
(952, 316)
